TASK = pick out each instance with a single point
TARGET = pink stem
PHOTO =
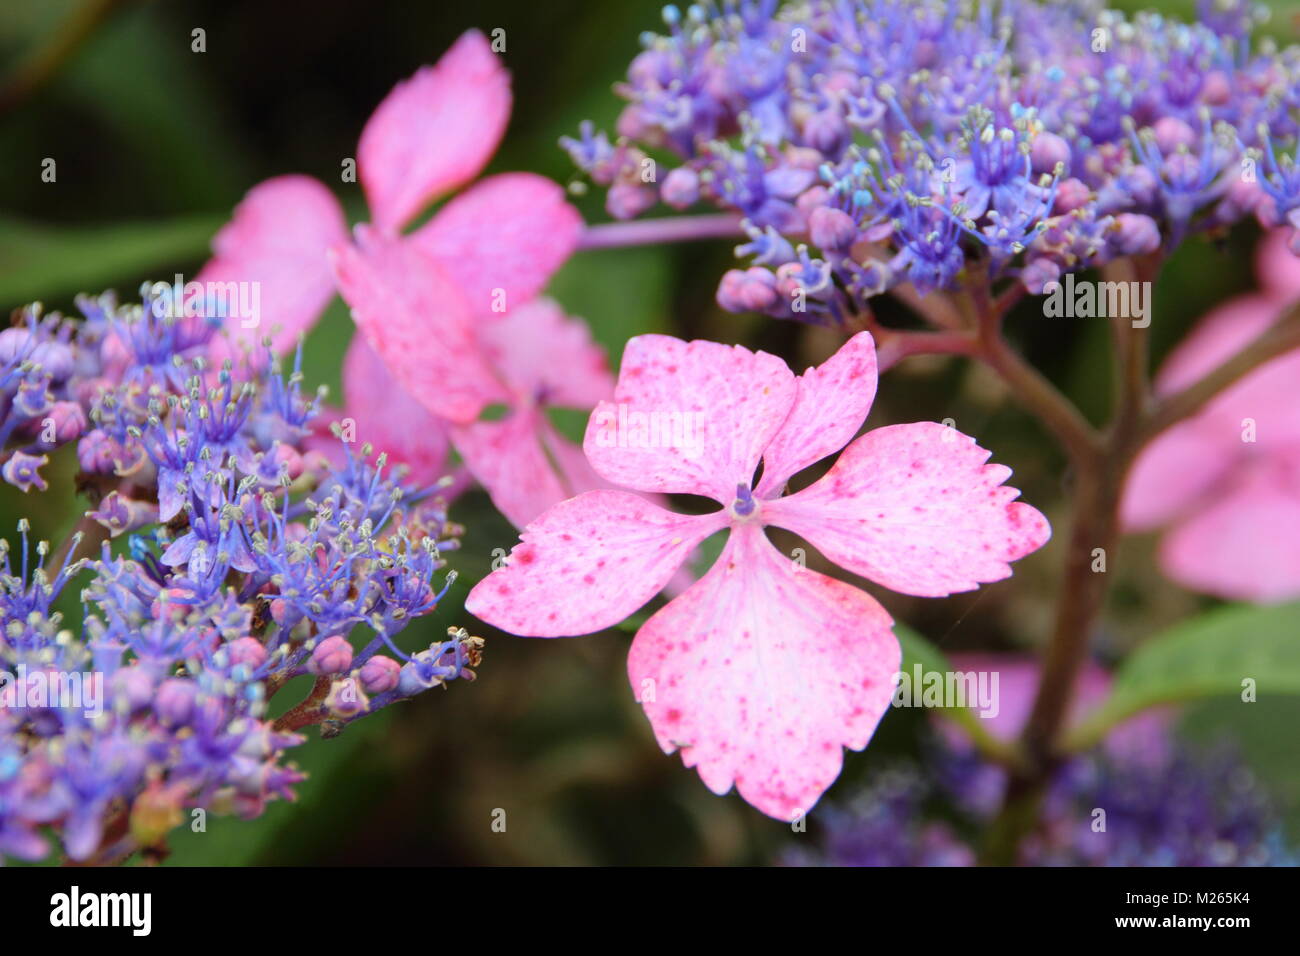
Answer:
(646, 232)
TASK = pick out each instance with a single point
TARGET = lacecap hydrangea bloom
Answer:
(871, 144)
(763, 670)
(245, 560)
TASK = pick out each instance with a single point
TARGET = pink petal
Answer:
(1245, 545)
(434, 132)
(503, 239)
(576, 473)
(1175, 471)
(586, 564)
(705, 410)
(506, 457)
(1220, 335)
(389, 418)
(761, 672)
(538, 350)
(1264, 402)
(1278, 266)
(277, 238)
(831, 405)
(418, 323)
(915, 508)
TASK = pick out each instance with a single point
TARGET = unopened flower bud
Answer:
(379, 674)
(331, 656)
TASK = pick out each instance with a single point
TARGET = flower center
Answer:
(745, 506)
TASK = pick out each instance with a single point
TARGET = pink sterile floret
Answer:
(763, 670)
(434, 305)
(1226, 482)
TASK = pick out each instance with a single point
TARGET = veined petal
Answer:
(434, 132)
(762, 671)
(389, 418)
(587, 563)
(417, 321)
(689, 417)
(275, 244)
(506, 457)
(502, 239)
(915, 508)
(832, 402)
(538, 350)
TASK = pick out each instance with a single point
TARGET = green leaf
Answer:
(1208, 656)
(917, 650)
(42, 263)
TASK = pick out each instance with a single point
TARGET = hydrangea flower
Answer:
(248, 560)
(1226, 483)
(39, 409)
(762, 670)
(936, 143)
(547, 360)
(424, 301)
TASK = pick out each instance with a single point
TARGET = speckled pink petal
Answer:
(278, 238)
(762, 672)
(1175, 472)
(502, 239)
(538, 349)
(417, 322)
(391, 420)
(831, 405)
(586, 564)
(689, 417)
(915, 508)
(1277, 266)
(434, 132)
(1245, 544)
(506, 457)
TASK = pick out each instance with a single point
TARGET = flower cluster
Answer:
(872, 143)
(1186, 810)
(251, 554)
(39, 409)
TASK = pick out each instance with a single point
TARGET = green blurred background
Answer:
(155, 145)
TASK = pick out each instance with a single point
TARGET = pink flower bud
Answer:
(379, 674)
(832, 228)
(752, 290)
(331, 656)
(174, 701)
(248, 651)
